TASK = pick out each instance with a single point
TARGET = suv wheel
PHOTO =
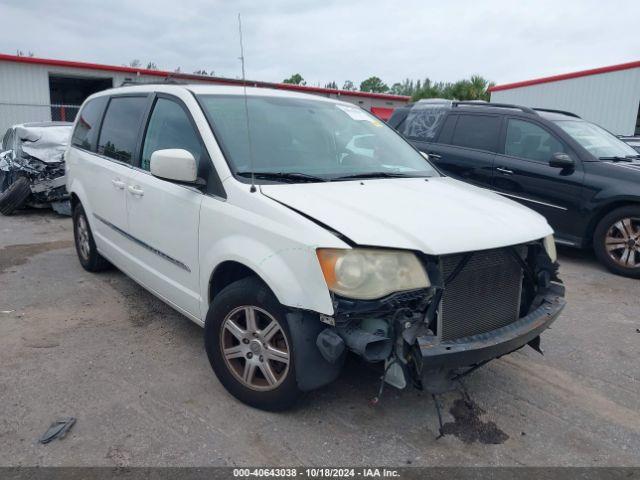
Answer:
(249, 346)
(616, 241)
(86, 249)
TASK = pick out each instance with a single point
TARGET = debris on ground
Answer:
(58, 429)
(32, 169)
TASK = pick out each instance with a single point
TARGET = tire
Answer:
(86, 249)
(251, 355)
(616, 241)
(15, 196)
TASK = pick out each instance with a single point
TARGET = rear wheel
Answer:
(86, 249)
(249, 345)
(15, 196)
(616, 241)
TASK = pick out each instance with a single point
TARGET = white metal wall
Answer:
(608, 99)
(24, 91)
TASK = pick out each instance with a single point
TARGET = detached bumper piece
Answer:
(476, 349)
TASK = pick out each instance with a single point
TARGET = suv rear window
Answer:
(85, 135)
(120, 127)
(477, 131)
(423, 121)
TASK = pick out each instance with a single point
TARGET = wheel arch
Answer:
(602, 212)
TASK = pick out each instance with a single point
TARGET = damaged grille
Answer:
(483, 296)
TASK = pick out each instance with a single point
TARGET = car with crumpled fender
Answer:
(261, 215)
(32, 170)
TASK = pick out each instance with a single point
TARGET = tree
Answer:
(135, 63)
(295, 79)
(373, 84)
(333, 85)
(474, 88)
(348, 85)
(152, 66)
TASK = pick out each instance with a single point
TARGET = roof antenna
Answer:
(246, 109)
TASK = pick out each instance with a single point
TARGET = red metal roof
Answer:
(187, 76)
(566, 76)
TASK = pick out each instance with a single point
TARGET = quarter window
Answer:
(85, 134)
(528, 140)
(169, 127)
(477, 131)
(120, 127)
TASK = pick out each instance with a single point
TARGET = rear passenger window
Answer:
(120, 127)
(85, 134)
(423, 121)
(528, 140)
(477, 131)
(169, 127)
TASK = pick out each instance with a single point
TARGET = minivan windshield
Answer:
(297, 140)
(596, 140)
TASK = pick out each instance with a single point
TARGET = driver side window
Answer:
(169, 127)
(528, 140)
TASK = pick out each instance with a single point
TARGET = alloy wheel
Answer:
(622, 242)
(255, 348)
(82, 237)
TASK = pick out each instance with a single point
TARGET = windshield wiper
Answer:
(375, 175)
(619, 158)
(284, 176)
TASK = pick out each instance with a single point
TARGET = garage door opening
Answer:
(68, 93)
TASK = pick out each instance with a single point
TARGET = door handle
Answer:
(505, 171)
(434, 155)
(135, 190)
(119, 184)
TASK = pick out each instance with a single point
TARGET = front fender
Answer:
(292, 271)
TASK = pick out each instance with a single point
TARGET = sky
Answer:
(332, 40)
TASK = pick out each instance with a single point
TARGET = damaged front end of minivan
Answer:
(476, 306)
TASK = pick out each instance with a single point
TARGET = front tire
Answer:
(616, 241)
(86, 248)
(249, 346)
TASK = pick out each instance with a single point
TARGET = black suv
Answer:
(583, 179)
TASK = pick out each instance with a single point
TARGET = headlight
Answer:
(366, 273)
(550, 246)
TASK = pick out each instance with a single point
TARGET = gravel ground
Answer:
(134, 373)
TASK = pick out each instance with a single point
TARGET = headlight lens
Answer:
(367, 273)
(550, 246)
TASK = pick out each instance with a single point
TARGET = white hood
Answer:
(436, 216)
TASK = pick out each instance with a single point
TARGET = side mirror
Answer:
(174, 164)
(562, 160)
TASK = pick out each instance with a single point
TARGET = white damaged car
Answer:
(258, 216)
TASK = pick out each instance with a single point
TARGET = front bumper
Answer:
(479, 348)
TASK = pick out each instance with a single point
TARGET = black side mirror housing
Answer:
(562, 160)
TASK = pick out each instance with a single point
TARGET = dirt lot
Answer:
(135, 375)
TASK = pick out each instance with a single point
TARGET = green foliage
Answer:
(374, 84)
(295, 79)
(348, 85)
(474, 88)
(333, 85)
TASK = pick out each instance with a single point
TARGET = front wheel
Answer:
(86, 248)
(249, 346)
(616, 241)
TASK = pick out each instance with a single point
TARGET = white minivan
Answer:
(295, 229)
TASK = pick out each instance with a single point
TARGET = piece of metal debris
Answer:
(58, 429)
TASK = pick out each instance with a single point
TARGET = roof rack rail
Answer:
(551, 110)
(166, 81)
(476, 103)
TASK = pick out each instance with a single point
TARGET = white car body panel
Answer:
(151, 237)
(436, 216)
